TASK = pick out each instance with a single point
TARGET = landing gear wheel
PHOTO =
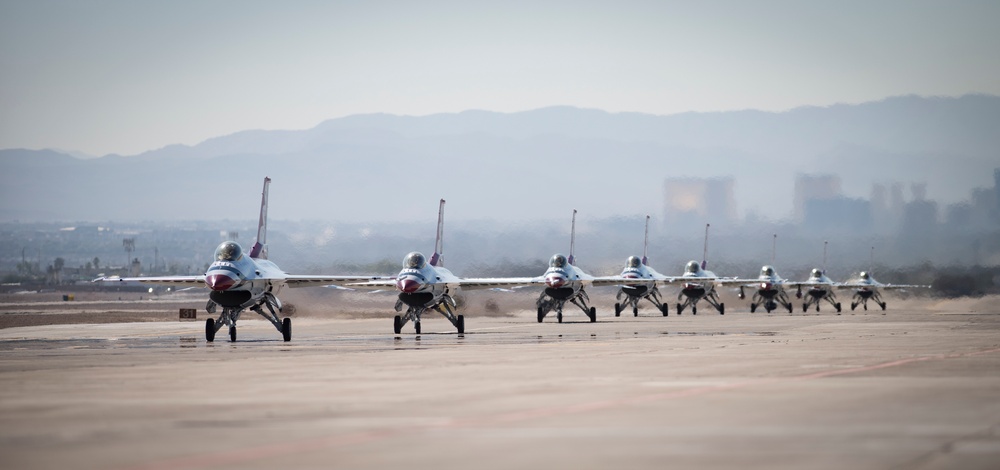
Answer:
(679, 309)
(837, 305)
(541, 314)
(789, 307)
(232, 334)
(883, 305)
(722, 309)
(663, 309)
(753, 308)
(286, 329)
(559, 317)
(397, 324)
(635, 311)
(592, 314)
(210, 330)
(694, 310)
(817, 306)
(618, 310)
(460, 324)
(805, 307)
(865, 306)
(416, 327)
(853, 305)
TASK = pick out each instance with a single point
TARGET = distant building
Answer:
(841, 215)
(814, 187)
(699, 201)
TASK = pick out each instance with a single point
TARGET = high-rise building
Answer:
(699, 200)
(814, 187)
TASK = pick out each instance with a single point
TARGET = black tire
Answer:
(592, 314)
(853, 305)
(865, 306)
(635, 311)
(694, 310)
(753, 308)
(679, 310)
(416, 327)
(541, 314)
(838, 307)
(210, 330)
(286, 329)
(790, 307)
(883, 305)
(817, 306)
(722, 309)
(618, 310)
(559, 317)
(663, 309)
(805, 307)
(232, 333)
(397, 324)
(460, 324)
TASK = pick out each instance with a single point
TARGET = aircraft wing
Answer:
(620, 281)
(498, 282)
(859, 285)
(316, 281)
(373, 283)
(188, 281)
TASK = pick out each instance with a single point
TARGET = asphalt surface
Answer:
(915, 388)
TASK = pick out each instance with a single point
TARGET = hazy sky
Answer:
(128, 76)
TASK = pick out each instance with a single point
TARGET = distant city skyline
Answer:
(127, 77)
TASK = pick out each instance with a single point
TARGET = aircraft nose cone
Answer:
(555, 281)
(765, 286)
(219, 282)
(407, 286)
(630, 276)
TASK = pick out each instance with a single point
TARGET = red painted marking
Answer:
(232, 457)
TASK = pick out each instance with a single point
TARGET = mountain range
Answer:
(537, 164)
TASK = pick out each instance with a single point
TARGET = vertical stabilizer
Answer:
(774, 248)
(572, 239)
(436, 258)
(871, 262)
(704, 251)
(825, 242)
(645, 243)
(259, 249)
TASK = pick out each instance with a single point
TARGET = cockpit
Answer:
(557, 261)
(816, 273)
(414, 260)
(767, 271)
(633, 262)
(228, 251)
(865, 276)
(692, 267)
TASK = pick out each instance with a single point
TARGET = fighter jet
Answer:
(565, 282)
(699, 283)
(819, 287)
(769, 288)
(240, 280)
(866, 287)
(427, 285)
(641, 284)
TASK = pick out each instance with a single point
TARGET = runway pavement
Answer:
(911, 389)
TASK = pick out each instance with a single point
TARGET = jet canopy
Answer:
(865, 275)
(414, 260)
(692, 267)
(767, 271)
(816, 273)
(558, 261)
(228, 251)
(633, 261)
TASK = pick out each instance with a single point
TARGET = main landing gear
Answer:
(712, 299)
(546, 304)
(230, 315)
(653, 296)
(444, 306)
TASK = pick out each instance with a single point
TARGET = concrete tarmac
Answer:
(915, 388)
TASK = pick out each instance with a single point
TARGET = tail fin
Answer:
(436, 259)
(259, 249)
(825, 242)
(572, 239)
(774, 248)
(645, 242)
(704, 253)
